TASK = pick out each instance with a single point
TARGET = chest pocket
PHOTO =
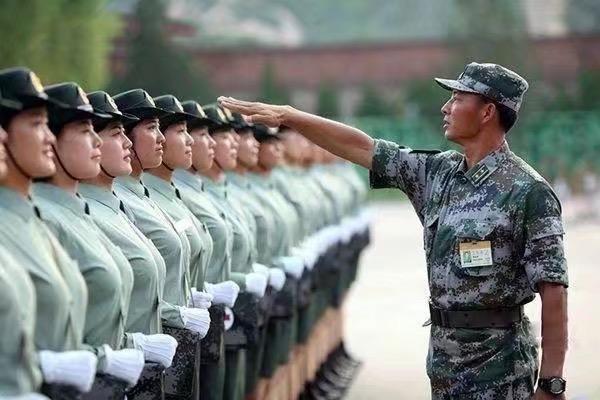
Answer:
(475, 231)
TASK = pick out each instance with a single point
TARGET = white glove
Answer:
(256, 284)
(293, 266)
(200, 299)
(73, 368)
(276, 278)
(157, 348)
(196, 319)
(261, 269)
(126, 364)
(225, 293)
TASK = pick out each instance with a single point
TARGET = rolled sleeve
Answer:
(544, 258)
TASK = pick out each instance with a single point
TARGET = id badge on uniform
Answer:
(475, 254)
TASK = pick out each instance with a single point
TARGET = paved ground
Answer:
(389, 304)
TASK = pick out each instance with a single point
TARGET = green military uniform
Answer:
(169, 200)
(153, 222)
(61, 294)
(146, 263)
(18, 363)
(105, 269)
(243, 255)
(200, 204)
(218, 268)
(501, 204)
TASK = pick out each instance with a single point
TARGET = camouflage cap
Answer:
(493, 81)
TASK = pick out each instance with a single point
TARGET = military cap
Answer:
(23, 85)
(8, 104)
(194, 108)
(493, 81)
(263, 133)
(238, 122)
(138, 102)
(74, 105)
(103, 103)
(218, 118)
(176, 114)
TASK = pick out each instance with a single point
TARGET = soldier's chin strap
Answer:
(106, 172)
(69, 174)
(167, 166)
(14, 161)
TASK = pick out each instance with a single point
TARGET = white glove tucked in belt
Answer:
(293, 265)
(196, 319)
(256, 283)
(276, 278)
(126, 364)
(157, 348)
(200, 299)
(225, 293)
(73, 368)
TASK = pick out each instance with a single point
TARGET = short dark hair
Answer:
(507, 116)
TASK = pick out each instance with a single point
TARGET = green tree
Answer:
(270, 90)
(60, 40)
(157, 64)
(372, 104)
(327, 101)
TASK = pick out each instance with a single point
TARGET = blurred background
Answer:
(370, 63)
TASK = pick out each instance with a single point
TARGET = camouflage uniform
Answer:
(500, 199)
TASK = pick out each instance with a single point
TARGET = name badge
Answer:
(182, 225)
(475, 254)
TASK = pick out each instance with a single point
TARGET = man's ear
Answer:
(489, 112)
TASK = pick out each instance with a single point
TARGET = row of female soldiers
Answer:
(157, 249)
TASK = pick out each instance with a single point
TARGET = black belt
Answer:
(476, 319)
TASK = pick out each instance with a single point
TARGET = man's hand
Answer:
(257, 113)
(541, 395)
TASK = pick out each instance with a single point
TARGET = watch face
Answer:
(557, 386)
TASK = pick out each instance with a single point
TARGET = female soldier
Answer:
(218, 271)
(105, 269)
(61, 294)
(143, 316)
(21, 374)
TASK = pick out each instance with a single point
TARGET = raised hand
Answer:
(257, 113)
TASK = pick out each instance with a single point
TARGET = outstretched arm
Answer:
(342, 140)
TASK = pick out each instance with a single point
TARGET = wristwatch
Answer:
(554, 385)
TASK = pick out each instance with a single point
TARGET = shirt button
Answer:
(462, 179)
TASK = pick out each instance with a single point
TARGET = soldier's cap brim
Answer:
(123, 117)
(38, 100)
(200, 122)
(143, 113)
(452, 84)
(175, 117)
(10, 104)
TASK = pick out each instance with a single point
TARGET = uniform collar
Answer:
(60, 197)
(161, 186)
(101, 195)
(190, 179)
(14, 202)
(240, 180)
(486, 167)
(133, 185)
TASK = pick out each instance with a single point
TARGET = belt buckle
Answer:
(443, 318)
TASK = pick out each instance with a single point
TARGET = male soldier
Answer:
(486, 201)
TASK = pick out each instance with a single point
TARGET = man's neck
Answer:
(101, 180)
(484, 144)
(241, 168)
(161, 172)
(136, 169)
